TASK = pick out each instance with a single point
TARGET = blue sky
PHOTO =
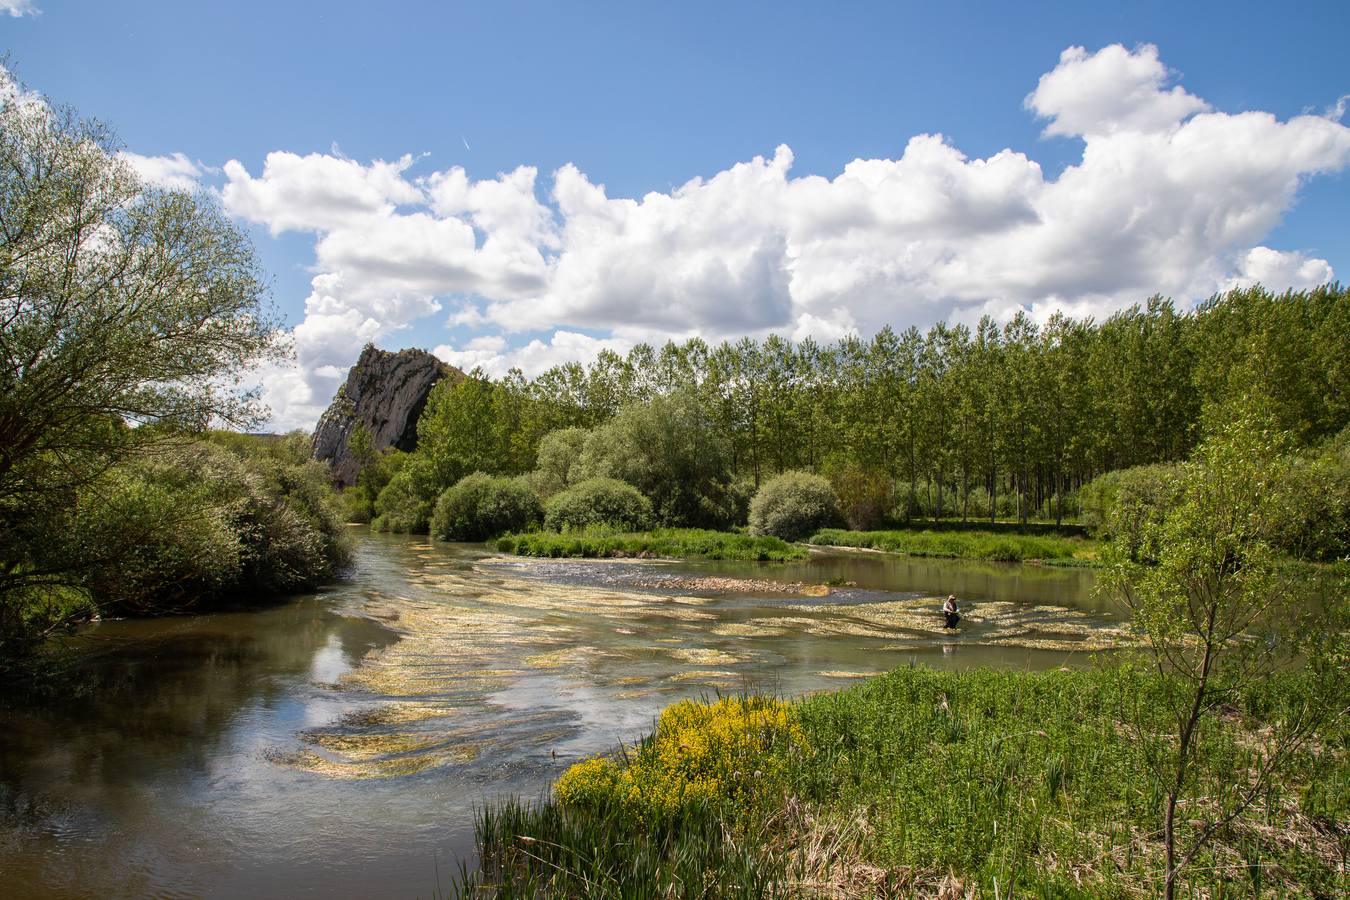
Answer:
(642, 98)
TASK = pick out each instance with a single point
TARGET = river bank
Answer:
(1001, 546)
(1033, 545)
(928, 783)
(660, 543)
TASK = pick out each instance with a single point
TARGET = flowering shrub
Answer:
(700, 753)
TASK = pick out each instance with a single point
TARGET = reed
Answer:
(674, 543)
(999, 546)
(920, 782)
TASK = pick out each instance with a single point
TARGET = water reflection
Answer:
(336, 745)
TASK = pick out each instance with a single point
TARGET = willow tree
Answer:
(127, 313)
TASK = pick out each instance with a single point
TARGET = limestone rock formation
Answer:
(385, 392)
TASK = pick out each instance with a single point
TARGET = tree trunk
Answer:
(1170, 847)
(993, 494)
(1059, 501)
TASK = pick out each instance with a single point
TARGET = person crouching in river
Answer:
(951, 612)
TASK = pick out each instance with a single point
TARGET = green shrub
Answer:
(673, 452)
(793, 505)
(404, 505)
(598, 501)
(292, 530)
(555, 466)
(1316, 522)
(202, 524)
(478, 507)
(1119, 505)
(865, 496)
(739, 494)
(356, 506)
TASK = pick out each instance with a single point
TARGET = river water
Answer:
(336, 745)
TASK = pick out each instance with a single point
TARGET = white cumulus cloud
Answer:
(1278, 269)
(1109, 91)
(491, 353)
(174, 171)
(318, 192)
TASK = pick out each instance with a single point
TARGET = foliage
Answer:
(556, 463)
(598, 501)
(793, 506)
(1120, 505)
(404, 504)
(675, 543)
(701, 754)
(122, 305)
(865, 497)
(379, 469)
(978, 782)
(188, 527)
(478, 507)
(966, 544)
(355, 506)
(1317, 513)
(590, 853)
(1222, 610)
(455, 430)
(1314, 515)
(29, 615)
(475, 424)
(996, 422)
(169, 533)
(671, 450)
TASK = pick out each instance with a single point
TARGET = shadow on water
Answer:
(336, 744)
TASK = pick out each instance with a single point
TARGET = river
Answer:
(336, 745)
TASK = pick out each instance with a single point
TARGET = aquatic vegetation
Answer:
(998, 546)
(471, 634)
(381, 767)
(706, 676)
(724, 585)
(704, 656)
(746, 629)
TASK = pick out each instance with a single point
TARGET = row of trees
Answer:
(997, 421)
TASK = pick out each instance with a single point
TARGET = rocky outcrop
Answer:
(385, 392)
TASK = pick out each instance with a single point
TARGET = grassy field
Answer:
(968, 544)
(674, 543)
(925, 783)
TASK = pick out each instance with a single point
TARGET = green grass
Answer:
(968, 544)
(984, 780)
(676, 543)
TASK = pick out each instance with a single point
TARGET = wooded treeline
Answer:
(998, 421)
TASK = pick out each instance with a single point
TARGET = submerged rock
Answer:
(384, 392)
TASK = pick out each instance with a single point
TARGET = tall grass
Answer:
(922, 781)
(999, 546)
(679, 543)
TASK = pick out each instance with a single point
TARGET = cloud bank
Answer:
(1169, 196)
